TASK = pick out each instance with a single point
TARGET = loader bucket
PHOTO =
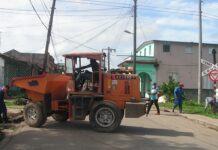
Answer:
(37, 86)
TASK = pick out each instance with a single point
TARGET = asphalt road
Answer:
(166, 131)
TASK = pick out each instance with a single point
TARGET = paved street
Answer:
(167, 131)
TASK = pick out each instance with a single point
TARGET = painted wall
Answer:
(147, 74)
(182, 62)
(146, 50)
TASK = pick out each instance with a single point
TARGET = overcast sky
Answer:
(91, 25)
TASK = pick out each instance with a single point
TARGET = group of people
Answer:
(178, 97)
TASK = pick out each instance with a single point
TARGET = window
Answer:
(174, 76)
(149, 51)
(145, 52)
(210, 50)
(69, 66)
(188, 50)
(166, 48)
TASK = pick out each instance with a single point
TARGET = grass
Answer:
(11, 104)
(191, 107)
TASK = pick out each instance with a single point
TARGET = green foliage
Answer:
(20, 99)
(168, 88)
(192, 107)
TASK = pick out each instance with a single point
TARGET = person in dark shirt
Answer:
(178, 97)
(94, 65)
(3, 110)
(81, 77)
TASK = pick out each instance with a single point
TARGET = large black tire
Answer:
(61, 116)
(33, 114)
(105, 117)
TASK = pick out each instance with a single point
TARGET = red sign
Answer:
(213, 75)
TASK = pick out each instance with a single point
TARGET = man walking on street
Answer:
(178, 96)
(154, 99)
(3, 109)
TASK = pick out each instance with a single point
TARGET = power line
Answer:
(92, 10)
(46, 10)
(38, 14)
(68, 10)
(68, 39)
(105, 2)
(169, 11)
(148, 8)
(141, 28)
(54, 48)
(168, 8)
(87, 31)
(39, 25)
(118, 35)
(98, 34)
(94, 3)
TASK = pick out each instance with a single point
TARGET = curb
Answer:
(204, 123)
(198, 121)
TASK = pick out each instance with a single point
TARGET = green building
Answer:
(146, 65)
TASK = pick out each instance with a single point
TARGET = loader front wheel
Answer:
(105, 117)
(33, 115)
(61, 116)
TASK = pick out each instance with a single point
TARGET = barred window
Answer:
(166, 48)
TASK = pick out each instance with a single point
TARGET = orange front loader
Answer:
(81, 91)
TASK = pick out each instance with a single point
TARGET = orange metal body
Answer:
(118, 88)
(121, 88)
(37, 86)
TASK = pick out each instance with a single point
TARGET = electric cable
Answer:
(38, 14)
(99, 33)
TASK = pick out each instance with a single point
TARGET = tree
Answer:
(168, 88)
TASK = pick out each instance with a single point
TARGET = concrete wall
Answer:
(182, 64)
(32, 58)
(192, 94)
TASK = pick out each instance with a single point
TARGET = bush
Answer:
(168, 88)
(20, 99)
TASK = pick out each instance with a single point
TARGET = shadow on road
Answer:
(84, 125)
(80, 136)
(152, 131)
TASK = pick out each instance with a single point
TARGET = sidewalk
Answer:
(203, 120)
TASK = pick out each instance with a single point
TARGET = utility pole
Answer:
(135, 35)
(200, 54)
(109, 51)
(48, 37)
(214, 83)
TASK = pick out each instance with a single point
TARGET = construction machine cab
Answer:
(86, 70)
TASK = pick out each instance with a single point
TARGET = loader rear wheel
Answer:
(33, 115)
(61, 116)
(105, 117)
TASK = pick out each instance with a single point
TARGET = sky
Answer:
(93, 25)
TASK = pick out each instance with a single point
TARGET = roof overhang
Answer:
(89, 55)
(137, 62)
